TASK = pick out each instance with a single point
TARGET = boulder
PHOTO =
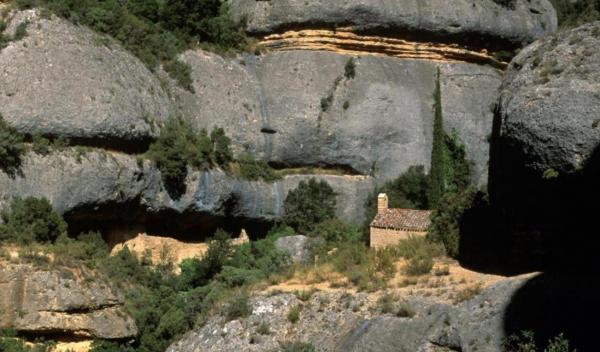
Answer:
(378, 123)
(298, 247)
(515, 22)
(64, 301)
(68, 81)
(546, 156)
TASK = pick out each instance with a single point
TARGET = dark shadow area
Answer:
(119, 222)
(128, 146)
(336, 169)
(533, 222)
(546, 222)
(553, 304)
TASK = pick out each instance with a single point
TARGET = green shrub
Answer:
(21, 30)
(420, 264)
(181, 73)
(415, 246)
(178, 146)
(155, 31)
(326, 102)
(41, 145)
(334, 232)
(294, 314)
(10, 343)
(298, 347)
(238, 307)
(385, 303)
(87, 248)
(446, 220)
(263, 328)
(405, 311)
(12, 148)
(31, 220)
(574, 13)
(254, 170)
(350, 69)
(310, 203)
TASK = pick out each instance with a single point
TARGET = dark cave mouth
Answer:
(120, 222)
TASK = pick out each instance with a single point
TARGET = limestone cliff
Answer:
(61, 302)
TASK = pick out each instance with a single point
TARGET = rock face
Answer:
(298, 247)
(546, 160)
(517, 22)
(378, 123)
(345, 322)
(61, 301)
(73, 181)
(65, 80)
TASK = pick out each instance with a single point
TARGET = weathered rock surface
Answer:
(61, 301)
(550, 105)
(298, 247)
(378, 123)
(334, 321)
(71, 181)
(520, 22)
(546, 156)
(65, 80)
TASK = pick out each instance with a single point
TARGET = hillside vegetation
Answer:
(154, 31)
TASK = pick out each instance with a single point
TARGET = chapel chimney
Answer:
(382, 203)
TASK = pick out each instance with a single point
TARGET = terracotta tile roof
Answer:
(403, 219)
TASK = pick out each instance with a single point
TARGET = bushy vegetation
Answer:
(309, 204)
(525, 342)
(408, 191)
(31, 220)
(156, 31)
(247, 167)
(9, 343)
(12, 148)
(574, 13)
(178, 147)
(350, 69)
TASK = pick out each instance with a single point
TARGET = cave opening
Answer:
(121, 222)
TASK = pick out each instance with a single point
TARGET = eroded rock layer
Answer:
(349, 43)
(61, 302)
(483, 22)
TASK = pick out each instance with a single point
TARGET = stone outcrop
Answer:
(377, 123)
(546, 158)
(334, 321)
(520, 22)
(65, 80)
(61, 302)
(73, 181)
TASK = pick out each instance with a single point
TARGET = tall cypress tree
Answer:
(436, 173)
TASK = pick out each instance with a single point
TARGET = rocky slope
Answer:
(61, 302)
(337, 321)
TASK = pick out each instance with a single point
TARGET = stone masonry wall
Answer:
(381, 238)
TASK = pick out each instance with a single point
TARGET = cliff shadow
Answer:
(553, 303)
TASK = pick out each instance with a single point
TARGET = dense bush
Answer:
(409, 191)
(178, 147)
(525, 342)
(12, 148)
(445, 225)
(254, 170)
(310, 203)
(335, 232)
(574, 13)
(9, 343)
(155, 31)
(31, 220)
